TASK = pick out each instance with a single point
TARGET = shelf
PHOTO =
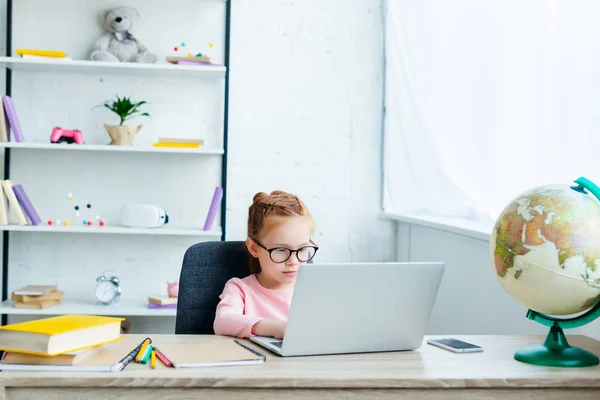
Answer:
(105, 147)
(113, 230)
(123, 308)
(101, 67)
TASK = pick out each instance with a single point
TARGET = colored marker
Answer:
(146, 356)
(162, 358)
(153, 359)
(139, 355)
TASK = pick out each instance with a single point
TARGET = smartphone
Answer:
(455, 345)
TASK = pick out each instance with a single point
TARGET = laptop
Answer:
(358, 307)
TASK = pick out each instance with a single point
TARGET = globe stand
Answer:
(556, 350)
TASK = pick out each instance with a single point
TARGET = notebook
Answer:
(57, 335)
(112, 358)
(209, 354)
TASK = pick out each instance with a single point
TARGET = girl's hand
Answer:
(269, 327)
(279, 329)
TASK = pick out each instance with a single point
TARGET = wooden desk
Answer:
(427, 373)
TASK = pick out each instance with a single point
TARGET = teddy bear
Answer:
(119, 44)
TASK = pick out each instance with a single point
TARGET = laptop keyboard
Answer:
(278, 344)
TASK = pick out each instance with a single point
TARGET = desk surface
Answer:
(427, 367)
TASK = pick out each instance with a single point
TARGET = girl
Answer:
(279, 231)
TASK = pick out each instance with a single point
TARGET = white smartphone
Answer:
(455, 345)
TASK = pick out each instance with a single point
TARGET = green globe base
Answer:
(556, 352)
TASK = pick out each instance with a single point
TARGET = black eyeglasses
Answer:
(282, 254)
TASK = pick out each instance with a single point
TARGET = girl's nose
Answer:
(293, 260)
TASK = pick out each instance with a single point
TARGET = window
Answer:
(485, 100)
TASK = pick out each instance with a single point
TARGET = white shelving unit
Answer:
(113, 230)
(92, 67)
(74, 87)
(107, 148)
(88, 306)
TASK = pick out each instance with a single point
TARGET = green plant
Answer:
(125, 108)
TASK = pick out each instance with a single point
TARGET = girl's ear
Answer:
(252, 247)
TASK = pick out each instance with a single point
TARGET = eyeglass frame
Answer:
(315, 246)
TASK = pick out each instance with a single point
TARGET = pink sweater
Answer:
(244, 302)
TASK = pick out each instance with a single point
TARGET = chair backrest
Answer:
(206, 267)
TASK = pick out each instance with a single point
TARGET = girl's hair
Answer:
(277, 204)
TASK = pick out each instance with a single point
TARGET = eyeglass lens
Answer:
(281, 254)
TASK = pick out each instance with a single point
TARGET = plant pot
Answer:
(122, 135)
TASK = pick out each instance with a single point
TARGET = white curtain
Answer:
(486, 99)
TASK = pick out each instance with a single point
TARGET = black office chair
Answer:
(206, 267)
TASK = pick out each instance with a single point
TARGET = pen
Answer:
(139, 355)
(162, 358)
(153, 359)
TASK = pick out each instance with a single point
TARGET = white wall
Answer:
(470, 299)
(305, 116)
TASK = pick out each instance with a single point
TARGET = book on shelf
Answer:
(13, 120)
(3, 131)
(162, 306)
(3, 207)
(58, 335)
(49, 297)
(214, 206)
(164, 139)
(176, 142)
(35, 290)
(22, 207)
(200, 60)
(162, 300)
(28, 298)
(47, 58)
(24, 201)
(177, 145)
(41, 52)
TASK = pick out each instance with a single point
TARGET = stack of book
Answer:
(77, 342)
(14, 195)
(37, 297)
(162, 302)
(179, 142)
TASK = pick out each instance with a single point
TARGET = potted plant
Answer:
(125, 109)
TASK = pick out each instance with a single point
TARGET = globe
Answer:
(545, 250)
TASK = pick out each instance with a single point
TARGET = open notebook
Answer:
(209, 354)
(112, 358)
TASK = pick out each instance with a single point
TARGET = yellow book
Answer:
(166, 139)
(45, 53)
(174, 144)
(59, 335)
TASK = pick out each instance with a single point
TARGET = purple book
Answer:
(153, 305)
(15, 127)
(214, 205)
(26, 204)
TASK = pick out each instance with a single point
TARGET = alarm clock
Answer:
(108, 288)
